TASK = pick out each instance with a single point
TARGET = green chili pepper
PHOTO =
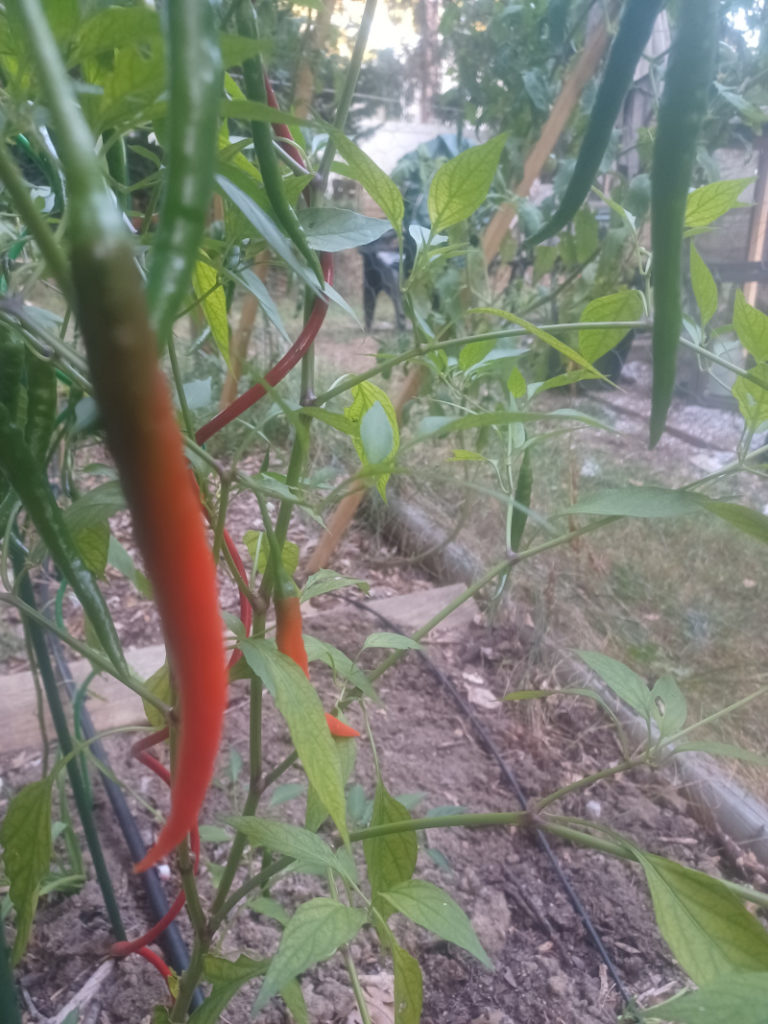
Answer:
(255, 89)
(11, 373)
(195, 76)
(683, 105)
(522, 502)
(627, 48)
(41, 406)
(28, 480)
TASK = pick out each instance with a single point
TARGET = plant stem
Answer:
(37, 637)
(625, 852)
(32, 216)
(257, 882)
(179, 383)
(251, 802)
(9, 1007)
(348, 92)
(725, 363)
(588, 780)
(483, 581)
(438, 346)
(491, 819)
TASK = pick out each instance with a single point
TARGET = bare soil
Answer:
(546, 968)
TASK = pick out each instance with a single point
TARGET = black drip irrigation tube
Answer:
(48, 647)
(486, 742)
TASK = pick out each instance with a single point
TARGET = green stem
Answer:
(438, 346)
(586, 781)
(53, 697)
(705, 353)
(625, 852)
(257, 882)
(191, 977)
(483, 581)
(255, 790)
(34, 219)
(671, 740)
(487, 820)
(179, 384)
(9, 1007)
(348, 92)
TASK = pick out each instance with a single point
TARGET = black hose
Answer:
(170, 940)
(513, 783)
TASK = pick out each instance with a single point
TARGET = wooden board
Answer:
(110, 704)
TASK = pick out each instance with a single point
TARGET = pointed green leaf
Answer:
(542, 335)
(211, 296)
(751, 326)
(289, 840)
(625, 683)
(711, 201)
(340, 664)
(431, 907)
(227, 978)
(707, 928)
(334, 229)
(391, 859)
(624, 305)
(392, 641)
(739, 998)
(376, 183)
(462, 184)
(704, 287)
(408, 986)
(641, 502)
(25, 834)
(326, 580)
(300, 706)
(668, 706)
(312, 935)
(159, 685)
(752, 396)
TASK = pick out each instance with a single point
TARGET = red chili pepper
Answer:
(338, 728)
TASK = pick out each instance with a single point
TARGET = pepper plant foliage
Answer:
(117, 171)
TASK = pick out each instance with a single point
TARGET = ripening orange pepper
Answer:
(290, 639)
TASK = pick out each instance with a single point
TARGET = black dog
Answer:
(381, 273)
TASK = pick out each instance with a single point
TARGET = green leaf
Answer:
(391, 859)
(439, 426)
(711, 201)
(408, 986)
(334, 229)
(462, 184)
(300, 706)
(475, 351)
(707, 928)
(291, 841)
(376, 183)
(212, 297)
(704, 287)
(227, 978)
(378, 436)
(118, 557)
(752, 396)
(268, 230)
(668, 706)
(269, 907)
(645, 502)
(544, 258)
(112, 27)
(751, 325)
(516, 383)
(312, 935)
(293, 998)
(739, 998)
(392, 641)
(624, 305)
(585, 236)
(545, 336)
(326, 580)
(25, 834)
(93, 544)
(463, 455)
(748, 520)
(256, 543)
(625, 683)
(159, 685)
(431, 907)
(340, 664)
(723, 750)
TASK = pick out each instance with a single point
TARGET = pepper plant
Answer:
(78, 91)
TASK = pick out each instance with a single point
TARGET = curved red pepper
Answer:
(281, 368)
